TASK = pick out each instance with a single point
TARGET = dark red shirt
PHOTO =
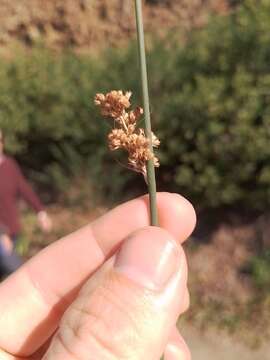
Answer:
(13, 186)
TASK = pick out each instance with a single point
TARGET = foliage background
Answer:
(210, 106)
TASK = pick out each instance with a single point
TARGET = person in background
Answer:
(9, 260)
(14, 186)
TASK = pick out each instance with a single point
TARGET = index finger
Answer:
(34, 298)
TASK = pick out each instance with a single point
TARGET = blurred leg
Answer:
(9, 262)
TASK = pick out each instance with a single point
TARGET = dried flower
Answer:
(114, 103)
(126, 135)
(117, 139)
(155, 141)
(134, 115)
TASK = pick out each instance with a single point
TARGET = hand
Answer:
(6, 244)
(44, 221)
(112, 290)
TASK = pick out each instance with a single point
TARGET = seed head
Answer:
(114, 103)
(125, 134)
(117, 139)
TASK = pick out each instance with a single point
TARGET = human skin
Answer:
(1, 144)
(6, 244)
(112, 290)
(5, 240)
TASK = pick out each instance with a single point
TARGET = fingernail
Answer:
(150, 257)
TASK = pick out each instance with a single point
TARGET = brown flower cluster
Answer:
(125, 135)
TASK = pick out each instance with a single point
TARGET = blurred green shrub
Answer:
(210, 106)
(46, 113)
(213, 110)
(259, 268)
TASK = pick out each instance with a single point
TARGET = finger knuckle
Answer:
(105, 322)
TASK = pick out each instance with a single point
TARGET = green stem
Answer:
(151, 179)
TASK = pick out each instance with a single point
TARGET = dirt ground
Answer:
(212, 345)
(89, 24)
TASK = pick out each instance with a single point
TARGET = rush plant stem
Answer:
(151, 179)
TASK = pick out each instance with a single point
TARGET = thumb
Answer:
(127, 310)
